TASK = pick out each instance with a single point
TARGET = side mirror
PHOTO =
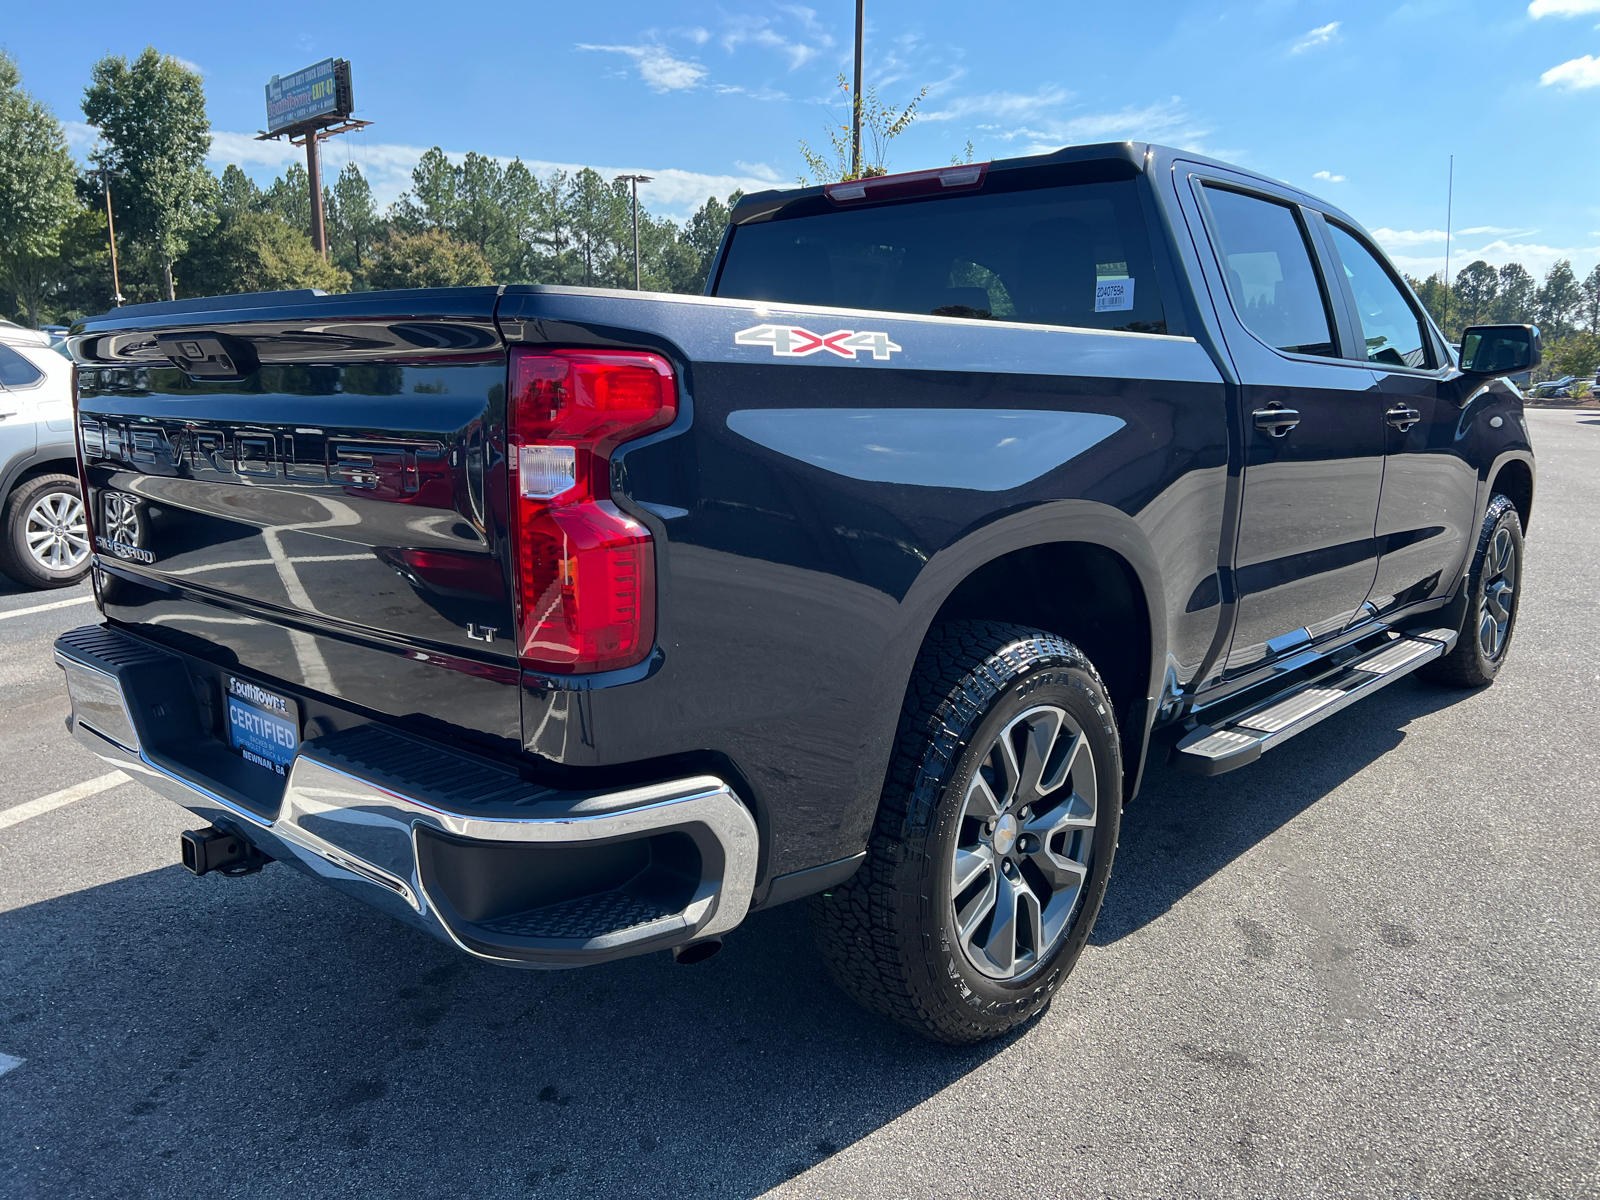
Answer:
(1500, 349)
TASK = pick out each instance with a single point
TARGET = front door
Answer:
(1313, 431)
(1428, 513)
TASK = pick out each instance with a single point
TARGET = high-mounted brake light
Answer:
(912, 183)
(585, 569)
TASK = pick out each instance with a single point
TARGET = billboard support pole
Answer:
(319, 236)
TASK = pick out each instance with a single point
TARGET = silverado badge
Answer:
(790, 341)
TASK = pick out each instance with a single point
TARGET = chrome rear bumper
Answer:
(507, 870)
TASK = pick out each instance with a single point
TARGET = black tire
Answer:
(1479, 653)
(890, 935)
(16, 558)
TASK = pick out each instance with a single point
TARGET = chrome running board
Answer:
(1236, 740)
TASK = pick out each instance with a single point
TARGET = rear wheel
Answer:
(1492, 595)
(994, 837)
(44, 539)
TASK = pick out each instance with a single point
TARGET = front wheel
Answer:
(1492, 603)
(44, 539)
(994, 838)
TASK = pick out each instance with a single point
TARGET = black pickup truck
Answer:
(570, 624)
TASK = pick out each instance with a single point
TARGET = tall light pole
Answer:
(855, 96)
(636, 180)
(106, 173)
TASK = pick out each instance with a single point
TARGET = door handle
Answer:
(1276, 422)
(1402, 418)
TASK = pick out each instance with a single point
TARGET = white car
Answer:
(44, 540)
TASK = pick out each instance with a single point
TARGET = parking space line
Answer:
(9, 1063)
(39, 608)
(44, 804)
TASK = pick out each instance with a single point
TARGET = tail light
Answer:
(585, 569)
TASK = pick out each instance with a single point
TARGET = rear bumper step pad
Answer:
(504, 869)
(1237, 740)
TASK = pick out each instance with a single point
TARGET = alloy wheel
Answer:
(1025, 844)
(56, 533)
(1499, 594)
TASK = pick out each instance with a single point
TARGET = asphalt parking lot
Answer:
(1366, 966)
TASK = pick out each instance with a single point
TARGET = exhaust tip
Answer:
(696, 952)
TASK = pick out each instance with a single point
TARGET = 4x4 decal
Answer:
(790, 341)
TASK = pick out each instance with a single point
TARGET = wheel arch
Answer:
(1514, 478)
(1102, 591)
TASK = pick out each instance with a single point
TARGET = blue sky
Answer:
(1360, 102)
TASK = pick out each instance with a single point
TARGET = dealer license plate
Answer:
(262, 726)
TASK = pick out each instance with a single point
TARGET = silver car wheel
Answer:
(56, 533)
(1499, 594)
(1025, 844)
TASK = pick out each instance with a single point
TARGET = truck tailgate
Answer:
(305, 486)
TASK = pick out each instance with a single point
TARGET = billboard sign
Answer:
(320, 90)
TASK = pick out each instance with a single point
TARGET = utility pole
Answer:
(855, 96)
(1449, 213)
(319, 236)
(106, 174)
(636, 180)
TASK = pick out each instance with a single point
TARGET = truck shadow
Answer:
(1183, 828)
(267, 1037)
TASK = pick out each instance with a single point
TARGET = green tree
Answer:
(704, 235)
(431, 258)
(1431, 291)
(600, 217)
(1477, 288)
(1589, 309)
(1577, 354)
(1516, 304)
(352, 220)
(37, 199)
(1560, 299)
(880, 124)
(256, 252)
(237, 193)
(152, 115)
(289, 196)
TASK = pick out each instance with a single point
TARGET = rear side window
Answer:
(16, 371)
(1390, 326)
(1274, 287)
(1077, 255)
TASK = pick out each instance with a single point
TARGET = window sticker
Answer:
(1113, 295)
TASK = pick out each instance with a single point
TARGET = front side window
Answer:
(16, 371)
(1267, 260)
(1392, 329)
(1077, 255)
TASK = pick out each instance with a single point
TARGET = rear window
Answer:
(16, 371)
(1077, 255)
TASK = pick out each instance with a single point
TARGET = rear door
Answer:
(1312, 424)
(1430, 490)
(20, 382)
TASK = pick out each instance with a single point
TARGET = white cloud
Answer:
(1320, 36)
(1482, 229)
(1562, 8)
(1398, 239)
(758, 31)
(1166, 122)
(698, 35)
(760, 170)
(1574, 74)
(658, 68)
(195, 67)
(1536, 257)
(1007, 105)
(388, 166)
(1329, 176)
